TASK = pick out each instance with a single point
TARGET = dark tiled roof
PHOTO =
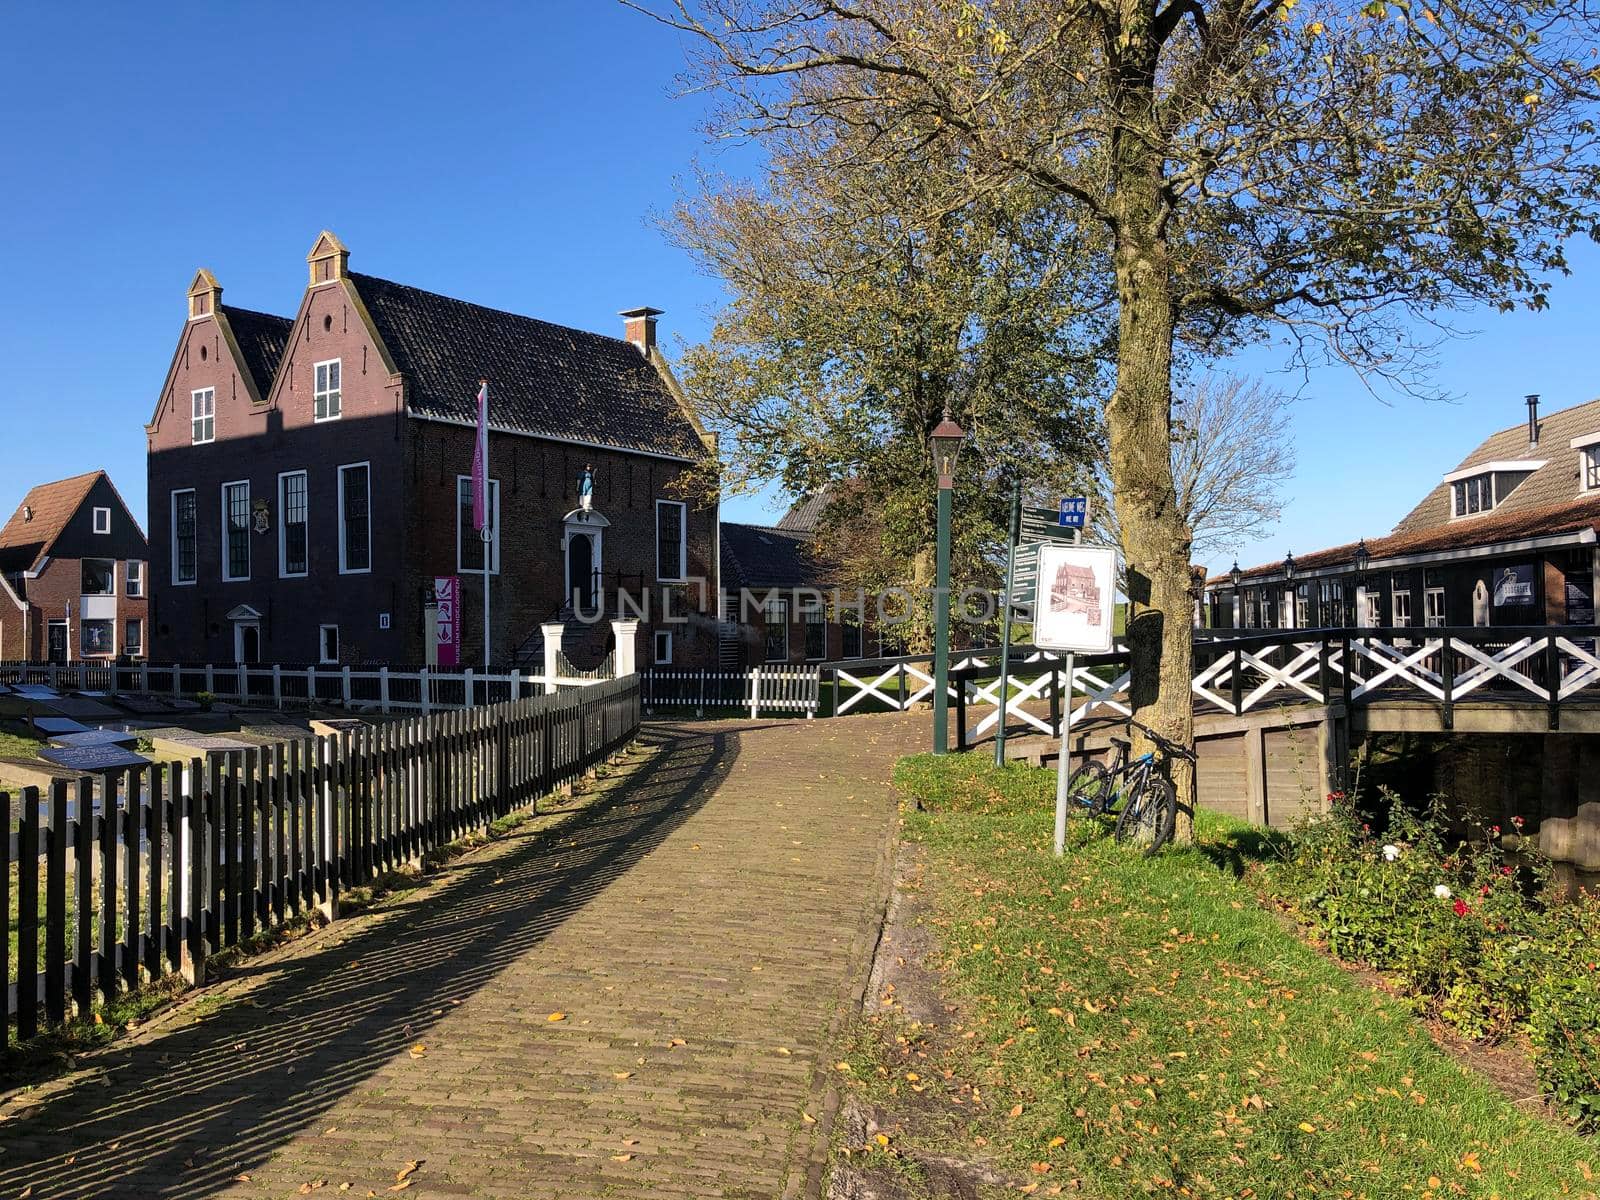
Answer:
(23, 541)
(761, 556)
(544, 379)
(1571, 516)
(1554, 483)
(262, 339)
(804, 513)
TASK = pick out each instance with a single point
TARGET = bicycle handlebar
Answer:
(1165, 745)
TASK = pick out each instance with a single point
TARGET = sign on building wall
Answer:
(447, 618)
(1513, 585)
(1076, 598)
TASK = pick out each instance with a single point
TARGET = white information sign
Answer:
(1075, 601)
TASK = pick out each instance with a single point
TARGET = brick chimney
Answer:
(1533, 420)
(639, 328)
(205, 293)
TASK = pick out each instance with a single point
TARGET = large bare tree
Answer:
(1337, 169)
(1231, 456)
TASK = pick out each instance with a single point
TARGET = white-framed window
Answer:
(1433, 607)
(133, 572)
(294, 543)
(97, 638)
(99, 577)
(328, 643)
(102, 520)
(815, 630)
(1474, 495)
(203, 415)
(185, 537)
(355, 518)
(1590, 464)
(1400, 606)
(672, 540)
(133, 638)
(775, 613)
(236, 530)
(469, 542)
(327, 397)
(1371, 608)
(663, 647)
(1302, 606)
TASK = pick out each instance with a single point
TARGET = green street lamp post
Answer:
(946, 442)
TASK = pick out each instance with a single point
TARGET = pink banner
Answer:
(447, 618)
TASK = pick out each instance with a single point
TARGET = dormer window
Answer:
(327, 399)
(1591, 467)
(1472, 495)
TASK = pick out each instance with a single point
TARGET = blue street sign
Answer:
(1072, 512)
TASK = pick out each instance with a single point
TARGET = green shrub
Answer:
(1468, 932)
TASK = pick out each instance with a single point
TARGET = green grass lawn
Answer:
(1130, 1027)
(17, 745)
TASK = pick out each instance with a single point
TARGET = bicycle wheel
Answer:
(1150, 815)
(1089, 790)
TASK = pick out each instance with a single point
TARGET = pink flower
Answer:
(1517, 821)
(1495, 829)
(1505, 870)
(1461, 908)
(1485, 889)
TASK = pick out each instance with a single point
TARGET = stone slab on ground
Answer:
(699, 938)
(58, 726)
(186, 743)
(91, 760)
(32, 772)
(142, 705)
(95, 737)
(81, 707)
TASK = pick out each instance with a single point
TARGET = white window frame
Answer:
(781, 604)
(1395, 597)
(283, 524)
(172, 518)
(83, 654)
(1487, 479)
(683, 542)
(206, 420)
(133, 577)
(100, 527)
(322, 645)
(1589, 468)
(320, 391)
(663, 659)
(98, 558)
(494, 527)
(227, 530)
(1429, 596)
(813, 612)
(139, 624)
(343, 568)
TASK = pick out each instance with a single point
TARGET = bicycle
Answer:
(1149, 812)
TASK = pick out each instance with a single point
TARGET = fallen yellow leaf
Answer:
(407, 1171)
(1307, 1127)
(621, 1157)
(556, 1016)
(1016, 1111)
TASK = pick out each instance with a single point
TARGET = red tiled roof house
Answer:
(73, 574)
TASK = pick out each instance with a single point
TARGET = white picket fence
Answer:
(380, 689)
(789, 691)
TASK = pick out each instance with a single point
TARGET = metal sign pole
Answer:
(1005, 637)
(1064, 764)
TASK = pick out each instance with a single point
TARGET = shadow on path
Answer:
(186, 1110)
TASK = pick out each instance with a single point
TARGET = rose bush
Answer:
(1467, 930)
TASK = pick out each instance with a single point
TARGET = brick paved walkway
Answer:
(725, 897)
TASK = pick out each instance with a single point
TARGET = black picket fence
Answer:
(107, 881)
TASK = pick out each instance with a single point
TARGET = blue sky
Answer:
(508, 155)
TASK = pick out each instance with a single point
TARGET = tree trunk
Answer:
(1156, 539)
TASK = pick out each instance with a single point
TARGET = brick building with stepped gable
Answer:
(309, 481)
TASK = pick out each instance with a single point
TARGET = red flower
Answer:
(1461, 908)
(1505, 870)
(1495, 829)
(1485, 889)
(1517, 821)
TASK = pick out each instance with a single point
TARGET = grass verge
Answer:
(1125, 1026)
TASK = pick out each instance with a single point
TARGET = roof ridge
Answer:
(358, 276)
(1543, 417)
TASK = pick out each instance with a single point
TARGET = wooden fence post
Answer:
(344, 673)
(277, 685)
(383, 689)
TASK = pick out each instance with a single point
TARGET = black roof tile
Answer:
(262, 340)
(544, 379)
(761, 556)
